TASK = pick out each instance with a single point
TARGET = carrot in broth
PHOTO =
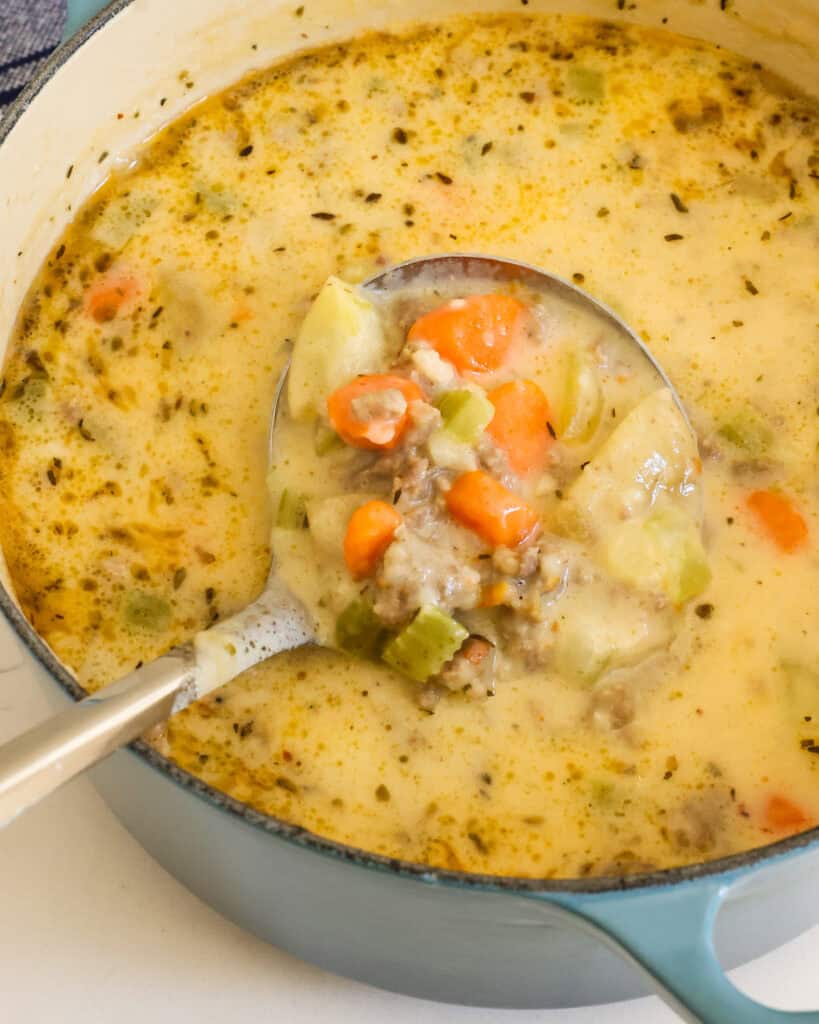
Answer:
(520, 426)
(475, 333)
(780, 519)
(784, 815)
(381, 426)
(482, 504)
(370, 532)
(111, 295)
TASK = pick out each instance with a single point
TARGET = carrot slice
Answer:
(479, 502)
(370, 532)
(474, 333)
(242, 312)
(784, 815)
(372, 411)
(520, 425)
(111, 295)
(779, 518)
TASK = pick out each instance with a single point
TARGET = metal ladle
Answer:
(37, 762)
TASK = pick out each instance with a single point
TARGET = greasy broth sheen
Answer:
(677, 181)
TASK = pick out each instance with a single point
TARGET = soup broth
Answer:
(673, 180)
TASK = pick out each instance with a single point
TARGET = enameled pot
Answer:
(442, 935)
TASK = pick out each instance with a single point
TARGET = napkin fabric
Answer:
(29, 31)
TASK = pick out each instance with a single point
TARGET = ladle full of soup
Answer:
(426, 386)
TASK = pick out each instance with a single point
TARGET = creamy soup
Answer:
(673, 180)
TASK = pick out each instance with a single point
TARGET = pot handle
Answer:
(80, 12)
(667, 932)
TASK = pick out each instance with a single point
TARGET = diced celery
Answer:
(573, 131)
(693, 576)
(662, 553)
(423, 647)
(122, 218)
(466, 414)
(581, 404)
(326, 439)
(146, 611)
(801, 684)
(748, 431)
(586, 83)
(359, 631)
(30, 390)
(601, 792)
(339, 338)
(216, 198)
(291, 513)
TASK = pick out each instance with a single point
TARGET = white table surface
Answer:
(93, 930)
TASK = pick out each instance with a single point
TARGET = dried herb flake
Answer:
(85, 433)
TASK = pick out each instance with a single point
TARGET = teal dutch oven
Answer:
(458, 937)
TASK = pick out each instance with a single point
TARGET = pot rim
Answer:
(295, 834)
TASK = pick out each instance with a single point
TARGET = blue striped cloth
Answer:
(29, 31)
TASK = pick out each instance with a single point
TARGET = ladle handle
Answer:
(42, 759)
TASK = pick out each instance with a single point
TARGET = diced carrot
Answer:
(494, 594)
(784, 815)
(474, 333)
(776, 513)
(479, 502)
(377, 428)
(242, 312)
(370, 532)
(520, 425)
(111, 295)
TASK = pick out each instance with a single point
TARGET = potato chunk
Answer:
(340, 338)
(651, 453)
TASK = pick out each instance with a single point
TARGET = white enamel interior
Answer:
(105, 99)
